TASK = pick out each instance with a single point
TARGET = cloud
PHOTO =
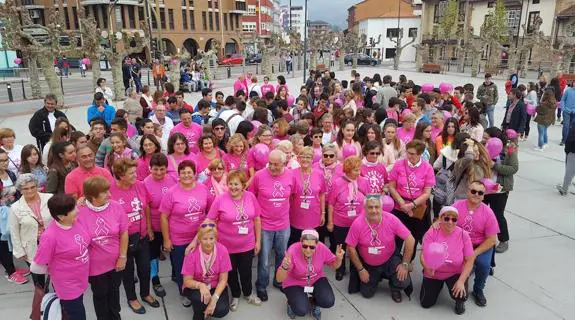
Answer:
(331, 11)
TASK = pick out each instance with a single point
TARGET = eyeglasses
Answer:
(447, 219)
(305, 156)
(477, 192)
(219, 129)
(266, 135)
(317, 137)
(329, 156)
(374, 153)
(208, 225)
(306, 246)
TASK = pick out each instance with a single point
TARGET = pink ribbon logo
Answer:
(102, 228)
(278, 190)
(193, 205)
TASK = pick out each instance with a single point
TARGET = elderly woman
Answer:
(301, 274)
(453, 268)
(178, 151)
(216, 182)
(14, 151)
(132, 105)
(208, 152)
(182, 211)
(437, 124)
(236, 156)
(107, 227)
(63, 162)
(134, 198)
(345, 203)
(63, 254)
(205, 271)
(410, 183)
(372, 168)
(28, 219)
(308, 202)
(237, 215)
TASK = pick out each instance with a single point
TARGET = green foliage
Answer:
(495, 25)
(448, 23)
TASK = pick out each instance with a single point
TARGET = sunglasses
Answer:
(317, 137)
(208, 225)
(477, 192)
(306, 246)
(374, 153)
(447, 219)
(330, 156)
(219, 129)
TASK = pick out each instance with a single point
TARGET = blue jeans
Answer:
(542, 135)
(568, 122)
(177, 259)
(482, 266)
(276, 240)
(490, 110)
(74, 309)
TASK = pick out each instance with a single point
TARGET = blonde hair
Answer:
(283, 126)
(306, 150)
(216, 163)
(7, 133)
(203, 231)
(410, 117)
(235, 139)
(284, 146)
(351, 163)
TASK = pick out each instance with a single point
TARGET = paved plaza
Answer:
(533, 280)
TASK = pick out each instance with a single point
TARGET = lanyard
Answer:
(241, 212)
(328, 174)
(309, 271)
(306, 188)
(352, 194)
(375, 242)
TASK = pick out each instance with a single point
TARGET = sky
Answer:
(331, 11)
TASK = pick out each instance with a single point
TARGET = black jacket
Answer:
(570, 141)
(518, 117)
(39, 126)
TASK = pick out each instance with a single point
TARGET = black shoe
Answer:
(479, 298)
(277, 285)
(491, 271)
(159, 290)
(396, 296)
(140, 310)
(153, 304)
(339, 275)
(459, 307)
(263, 295)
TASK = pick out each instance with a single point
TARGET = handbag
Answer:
(420, 210)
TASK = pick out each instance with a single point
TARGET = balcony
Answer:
(240, 7)
(128, 2)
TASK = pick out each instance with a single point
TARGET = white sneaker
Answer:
(234, 304)
(545, 146)
(253, 299)
(538, 149)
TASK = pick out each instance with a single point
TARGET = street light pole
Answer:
(289, 15)
(305, 43)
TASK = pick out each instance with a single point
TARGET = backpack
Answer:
(444, 189)
(51, 308)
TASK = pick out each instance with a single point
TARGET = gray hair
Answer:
(24, 179)
(281, 154)
(329, 147)
(372, 197)
(129, 91)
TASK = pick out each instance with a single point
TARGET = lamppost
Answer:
(304, 42)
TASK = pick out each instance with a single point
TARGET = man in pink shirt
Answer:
(86, 168)
(273, 187)
(192, 131)
(371, 246)
(479, 220)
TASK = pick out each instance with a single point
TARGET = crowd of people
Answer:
(349, 174)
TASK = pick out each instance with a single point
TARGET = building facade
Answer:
(318, 26)
(187, 24)
(293, 18)
(262, 18)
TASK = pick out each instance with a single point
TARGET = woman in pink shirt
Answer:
(410, 183)
(307, 208)
(183, 209)
(134, 198)
(120, 150)
(393, 147)
(240, 84)
(236, 213)
(107, 226)
(178, 151)
(372, 169)
(208, 152)
(346, 138)
(345, 203)
(457, 263)
(149, 146)
(301, 274)
(63, 254)
(205, 272)
(217, 180)
(157, 184)
(407, 130)
(236, 158)
(267, 87)
(255, 162)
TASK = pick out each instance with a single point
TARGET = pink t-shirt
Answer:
(300, 271)
(347, 200)
(65, 252)
(330, 174)
(202, 163)
(256, 164)
(234, 162)
(273, 194)
(104, 229)
(458, 245)
(377, 246)
(143, 169)
(305, 206)
(174, 161)
(239, 85)
(317, 155)
(157, 190)
(479, 223)
(236, 221)
(405, 135)
(74, 183)
(131, 131)
(435, 132)
(267, 88)
(193, 265)
(192, 134)
(375, 174)
(419, 178)
(186, 210)
(134, 201)
(355, 144)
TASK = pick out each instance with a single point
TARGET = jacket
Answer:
(107, 115)
(518, 117)
(488, 93)
(24, 227)
(384, 93)
(507, 167)
(40, 128)
(570, 141)
(545, 114)
(568, 101)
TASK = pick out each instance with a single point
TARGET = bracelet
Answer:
(123, 257)
(286, 269)
(216, 296)
(360, 270)
(414, 205)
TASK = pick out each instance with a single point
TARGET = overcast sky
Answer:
(331, 11)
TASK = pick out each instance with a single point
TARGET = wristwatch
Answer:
(406, 265)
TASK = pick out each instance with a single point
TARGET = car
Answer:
(362, 59)
(232, 59)
(256, 58)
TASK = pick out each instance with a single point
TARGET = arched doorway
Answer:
(231, 46)
(208, 44)
(192, 46)
(169, 47)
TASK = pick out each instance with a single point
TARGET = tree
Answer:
(354, 44)
(296, 46)
(175, 66)
(448, 24)
(91, 43)
(494, 32)
(399, 48)
(269, 49)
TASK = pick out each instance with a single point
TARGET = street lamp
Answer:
(304, 42)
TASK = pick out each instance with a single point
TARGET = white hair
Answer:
(279, 153)
(24, 179)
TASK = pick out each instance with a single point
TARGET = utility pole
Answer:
(149, 19)
(305, 43)
(289, 15)
(398, 31)
(159, 26)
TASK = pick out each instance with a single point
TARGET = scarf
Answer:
(369, 164)
(220, 187)
(207, 261)
(351, 190)
(96, 209)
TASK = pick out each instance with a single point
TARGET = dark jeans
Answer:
(177, 259)
(527, 126)
(417, 228)
(6, 258)
(39, 280)
(73, 309)
(156, 245)
(497, 202)
(384, 271)
(299, 302)
(106, 295)
(339, 235)
(141, 256)
(430, 289)
(222, 306)
(242, 271)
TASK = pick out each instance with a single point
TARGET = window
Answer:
(513, 18)
(251, 10)
(225, 18)
(75, 17)
(240, 6)
(120, 12)
(171, 18)
(439, 11)
(163, 18)
(185, 19)
(216, 4)
(184, 3)
(535, 1)
(248, 26)
(204, 20)
(531, 22)
(211, 19)
(217, 22)
(237, 21)
(141, 14)
(154, 22)
(389, 53)
(210, 4)
(132, 17)
(191, 3)
(192, 21)
(491, 4)
(67, 18)
(232, 21)
(392, 32)
(412, 32)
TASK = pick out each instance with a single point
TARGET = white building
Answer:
(294, 17)
(387, 28)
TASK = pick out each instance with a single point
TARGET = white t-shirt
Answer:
(52, 120)
(232, 118)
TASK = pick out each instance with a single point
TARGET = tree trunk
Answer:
(354, 61)
(475, 63)
(341, 61)
(175, 74)
(117, 77)
(525, 63)
(312, 60)
(51, 77)
(460, 59)
(266, 64)
(34, 78)
(96, 71)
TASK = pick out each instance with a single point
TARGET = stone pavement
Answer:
(532, 280)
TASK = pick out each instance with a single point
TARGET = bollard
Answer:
(273, 69)
(229, 72)
(148, 77)
(257, 68)
(62, 85)
(9, 88)
(23, 90)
